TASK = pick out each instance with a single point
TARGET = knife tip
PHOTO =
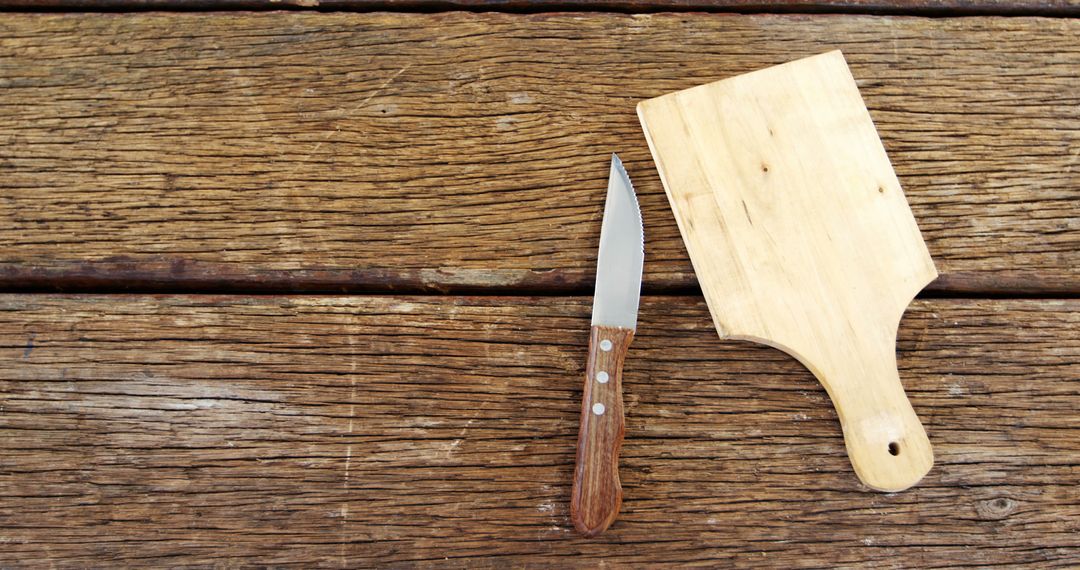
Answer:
(617, 167)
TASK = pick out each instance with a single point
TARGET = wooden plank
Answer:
(290, 151)
(921, 7)
(419, 431)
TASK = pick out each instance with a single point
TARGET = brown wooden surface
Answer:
(457, 151)
(928, 7)
(419, 431)
(277, 152)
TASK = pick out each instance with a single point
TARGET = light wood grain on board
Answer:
(383, 431)
(801, 239)
(469, 151)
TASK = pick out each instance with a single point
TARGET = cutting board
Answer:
(802, 239)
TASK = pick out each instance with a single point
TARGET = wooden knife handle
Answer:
(597, 492)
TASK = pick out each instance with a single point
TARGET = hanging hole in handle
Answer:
(894, 448)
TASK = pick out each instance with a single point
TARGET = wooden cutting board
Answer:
(802, 239)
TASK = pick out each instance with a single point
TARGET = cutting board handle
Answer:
(885, 440)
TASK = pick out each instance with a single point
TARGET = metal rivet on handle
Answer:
(605, 345)
(602, 377)
(598, 409)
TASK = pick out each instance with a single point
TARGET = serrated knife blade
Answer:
(597, 492)
(622, 254)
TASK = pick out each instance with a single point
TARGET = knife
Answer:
(597, 492)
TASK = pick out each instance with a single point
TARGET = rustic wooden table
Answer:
(312, 288)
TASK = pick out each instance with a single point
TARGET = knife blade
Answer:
(597, 492)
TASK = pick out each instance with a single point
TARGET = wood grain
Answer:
(802, 240)
(464, 152)
(393, 431)
(922, 7)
